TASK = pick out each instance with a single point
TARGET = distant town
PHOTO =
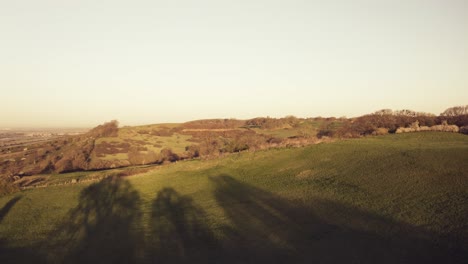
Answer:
(21, 136)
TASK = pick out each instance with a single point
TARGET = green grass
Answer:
(389, 199)
(176, 142)
(279, 133)
(141, 136)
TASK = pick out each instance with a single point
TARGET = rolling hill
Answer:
(388, 199)
(107, 146)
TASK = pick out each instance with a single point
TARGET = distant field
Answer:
(389, 199)
(12, 138)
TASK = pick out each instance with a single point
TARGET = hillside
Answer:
(107, 146)
(390, 199)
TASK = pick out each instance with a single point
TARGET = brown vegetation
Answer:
(444, 127)
(109, 129)
(7, 186)
(271, 123)
(464, 130)
(139, 157)
(209, 138)
(213, 124)
(105, 148)
(456, 111)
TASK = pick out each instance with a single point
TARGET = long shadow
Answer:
(266, 228)
(103, 228)
(178, 231)
(9, 254)
(7, 207)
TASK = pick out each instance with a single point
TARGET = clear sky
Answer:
(84, 62)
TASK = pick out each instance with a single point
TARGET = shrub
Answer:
(210, 145)
(274, 140)
(109, 129)
(325, 133)
(456, 111)
(64, 165)
(7, 186)
(380, 131)
(165, 132)
(272, 123)
(213, 124)
(464, 130)
(168, 155)
(192, 151)
(460, 120)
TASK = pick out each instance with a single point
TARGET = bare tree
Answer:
(456, 111)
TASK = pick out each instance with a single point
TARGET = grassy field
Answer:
(389, 199)
(133, 136)
(177, 137)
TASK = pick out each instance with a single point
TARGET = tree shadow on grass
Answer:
(266, 228)
(263, 228)
(7, 207)
(178, 231)
(9, 254)
(103, 228)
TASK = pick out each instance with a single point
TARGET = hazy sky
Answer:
(81, 63)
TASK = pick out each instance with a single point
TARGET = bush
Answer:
(461, 120)
(168, 155)
(192, 151)
(109, 129)
(464, 130)
(456, 111)
(214, 124)
(370, 124)
(325, 133)
(380, 131)
(164, 132)
(64, 165)
(7, 186)
(272, 123)
(210, 145)
(327, 129)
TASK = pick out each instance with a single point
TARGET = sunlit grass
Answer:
(401, 188)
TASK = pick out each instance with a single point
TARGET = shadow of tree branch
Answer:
(266, 228)
(179, 233)
(10, 254)
(103, 227)
(7, 207)
(107, 227)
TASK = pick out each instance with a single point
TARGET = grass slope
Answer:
(390, 199)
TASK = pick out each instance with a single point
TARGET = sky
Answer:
(79, 63)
